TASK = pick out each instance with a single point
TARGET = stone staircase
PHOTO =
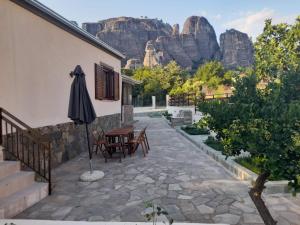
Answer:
(18, 189)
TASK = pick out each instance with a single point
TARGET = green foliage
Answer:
(213, 143)
(172, 79)
(251, 163)
(219, 115)
(277, 49)
(265, 122)
(212, 74)
(254, 164)
(127, 72)
(152, 212)
(160, 80)
(195, 130)
(167, 115)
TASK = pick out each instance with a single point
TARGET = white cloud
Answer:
(202, 13)
(217, 16)
(252, 23)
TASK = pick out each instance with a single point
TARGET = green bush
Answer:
(167, 115)
(194, 130)
(253, 164)
(213, 143)
(250, 163)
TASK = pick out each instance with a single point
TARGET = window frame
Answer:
(109, 82)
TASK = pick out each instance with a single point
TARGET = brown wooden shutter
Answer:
(116, 86)
(99, 82)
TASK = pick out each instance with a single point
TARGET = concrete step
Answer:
(21, 200)
(9, 167)
(15, 182)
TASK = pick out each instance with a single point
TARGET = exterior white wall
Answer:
(36, 58)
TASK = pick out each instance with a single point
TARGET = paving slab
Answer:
(176, 175)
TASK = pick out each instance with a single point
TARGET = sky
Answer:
(244, 15)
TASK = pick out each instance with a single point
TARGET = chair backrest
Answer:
(140, 135)
(101, 134)
(144, 130)
(98, 135)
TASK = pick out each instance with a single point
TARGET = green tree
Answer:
(265, 122)
(277, 49)
(211, 74)
(160, 80)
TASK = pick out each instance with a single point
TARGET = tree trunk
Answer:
(255, 194)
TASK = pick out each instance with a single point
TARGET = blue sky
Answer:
(244, 15)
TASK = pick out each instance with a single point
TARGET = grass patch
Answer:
(213, 143)
(194, 130)
(252, 163)
(249, 163)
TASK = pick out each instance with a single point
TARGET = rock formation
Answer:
(204, 36)
(154, 42)
(133, 64)
(175, 31)
(236, 49)
(152, 57)
(128, 35)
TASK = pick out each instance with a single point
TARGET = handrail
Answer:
(26, 145)
(27, 127)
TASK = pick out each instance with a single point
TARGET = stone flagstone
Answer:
(175, 175)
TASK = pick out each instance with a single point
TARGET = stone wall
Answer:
(127, 114)
(69, 140)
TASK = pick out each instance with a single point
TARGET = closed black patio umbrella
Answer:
(81, 109)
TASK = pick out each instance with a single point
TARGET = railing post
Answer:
(49, 169)
(153, 102)
(167, 101)
(1, 127)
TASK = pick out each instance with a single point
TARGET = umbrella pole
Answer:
(89, 147)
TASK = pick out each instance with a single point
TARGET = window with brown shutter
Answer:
(106, 83)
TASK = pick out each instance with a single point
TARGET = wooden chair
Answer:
(102, 143)
(146, 138)
(136, 141)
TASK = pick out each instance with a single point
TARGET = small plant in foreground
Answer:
(156, 214)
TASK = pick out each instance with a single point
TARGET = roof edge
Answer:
(129, 80)
(51, 16)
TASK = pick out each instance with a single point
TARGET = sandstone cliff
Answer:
(128, 35)
(204, 36)
(153, 42)
(236, 49)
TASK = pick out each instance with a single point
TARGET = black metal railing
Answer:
(193, 99)
(26, 145)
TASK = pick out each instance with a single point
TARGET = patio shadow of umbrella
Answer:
(81, 111)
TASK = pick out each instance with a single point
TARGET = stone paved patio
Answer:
(175, 174)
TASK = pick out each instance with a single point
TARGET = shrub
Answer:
(215, 144)
(194, 130)
(167, 115)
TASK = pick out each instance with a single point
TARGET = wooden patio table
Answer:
(121, 134)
